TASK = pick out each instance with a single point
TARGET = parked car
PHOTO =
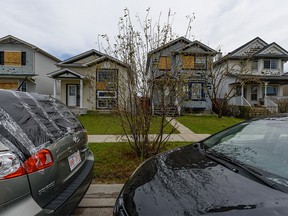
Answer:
(242, 170)
(45, 163)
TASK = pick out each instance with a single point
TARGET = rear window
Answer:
(30, 121)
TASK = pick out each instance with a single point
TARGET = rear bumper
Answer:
(71, 196)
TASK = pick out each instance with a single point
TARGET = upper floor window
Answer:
(164, 63)
(188, 62)
(106, 75)
(106, 79)
(200, 62)
(194, 62)
(270, 64)
(12, 58)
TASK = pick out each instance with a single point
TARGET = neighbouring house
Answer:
(255, 74)
(178, 70)
(91, 81)
(24, 66)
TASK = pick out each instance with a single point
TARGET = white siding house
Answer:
(26, 66)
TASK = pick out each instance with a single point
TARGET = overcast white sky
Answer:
(69, 27)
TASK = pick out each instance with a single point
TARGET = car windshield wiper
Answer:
(234, 165)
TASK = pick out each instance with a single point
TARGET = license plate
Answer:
(74, 160)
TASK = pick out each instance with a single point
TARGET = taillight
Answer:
(10, 166)
(42, 159)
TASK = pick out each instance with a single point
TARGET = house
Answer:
(25, 66)
(255, 74)
(91, 81)
(178, 70)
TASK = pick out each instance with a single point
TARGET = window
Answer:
(12, 58)
(106, 94)
(24, 87)
(195, 91)
(254, 92)
(188, 62)
(106, 75)
(164, 63)
(194, 62)
(255, 65)
(270, 64)
(271, 91)
(238, 90)
(107, 103)
(200, 62)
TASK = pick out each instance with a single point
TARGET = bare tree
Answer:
(218, 78)
(132, 46)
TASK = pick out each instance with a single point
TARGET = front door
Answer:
(72, 95)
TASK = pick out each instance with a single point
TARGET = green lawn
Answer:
(203, 124)
(111, 124)
(115, 162)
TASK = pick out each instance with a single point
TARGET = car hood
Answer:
(186, 182)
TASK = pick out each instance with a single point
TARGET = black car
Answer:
(242, 170)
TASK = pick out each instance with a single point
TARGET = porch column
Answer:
(81, 93)
(265, 94)
(55, 88)
(242, 94)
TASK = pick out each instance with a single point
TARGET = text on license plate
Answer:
(74, 160)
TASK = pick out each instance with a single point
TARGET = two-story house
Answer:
(91, 81)
(24, 66)
(255, 74)
(184, 63)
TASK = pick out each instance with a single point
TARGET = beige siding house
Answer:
(91, 81)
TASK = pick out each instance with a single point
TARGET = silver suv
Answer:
(46, 166)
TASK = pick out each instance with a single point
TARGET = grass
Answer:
(207, 124)
(111, 124)
(115, 162)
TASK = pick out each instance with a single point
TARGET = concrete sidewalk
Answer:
(101, 196)
(185, 135)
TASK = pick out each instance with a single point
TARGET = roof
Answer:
(280, 79)
(13, 38)
(207, 49)
(256, 52)
(81, 56)
(63, 71)
(101, 57)
(185, 40)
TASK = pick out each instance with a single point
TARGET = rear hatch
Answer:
(43, 129)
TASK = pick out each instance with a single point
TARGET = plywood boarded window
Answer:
(188, 62)
(12, 85)
(164, 63)
(12, 58)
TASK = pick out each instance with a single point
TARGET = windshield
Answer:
(262, 144)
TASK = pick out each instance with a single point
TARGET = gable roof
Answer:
(104, 58)
(101, 57)
(58, 73)
(257, 39)
(10, 38)
(81, 56)
(206, 48)
(258, 51)
(171, 43)
(272, 49)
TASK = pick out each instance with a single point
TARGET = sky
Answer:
(65, 28)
